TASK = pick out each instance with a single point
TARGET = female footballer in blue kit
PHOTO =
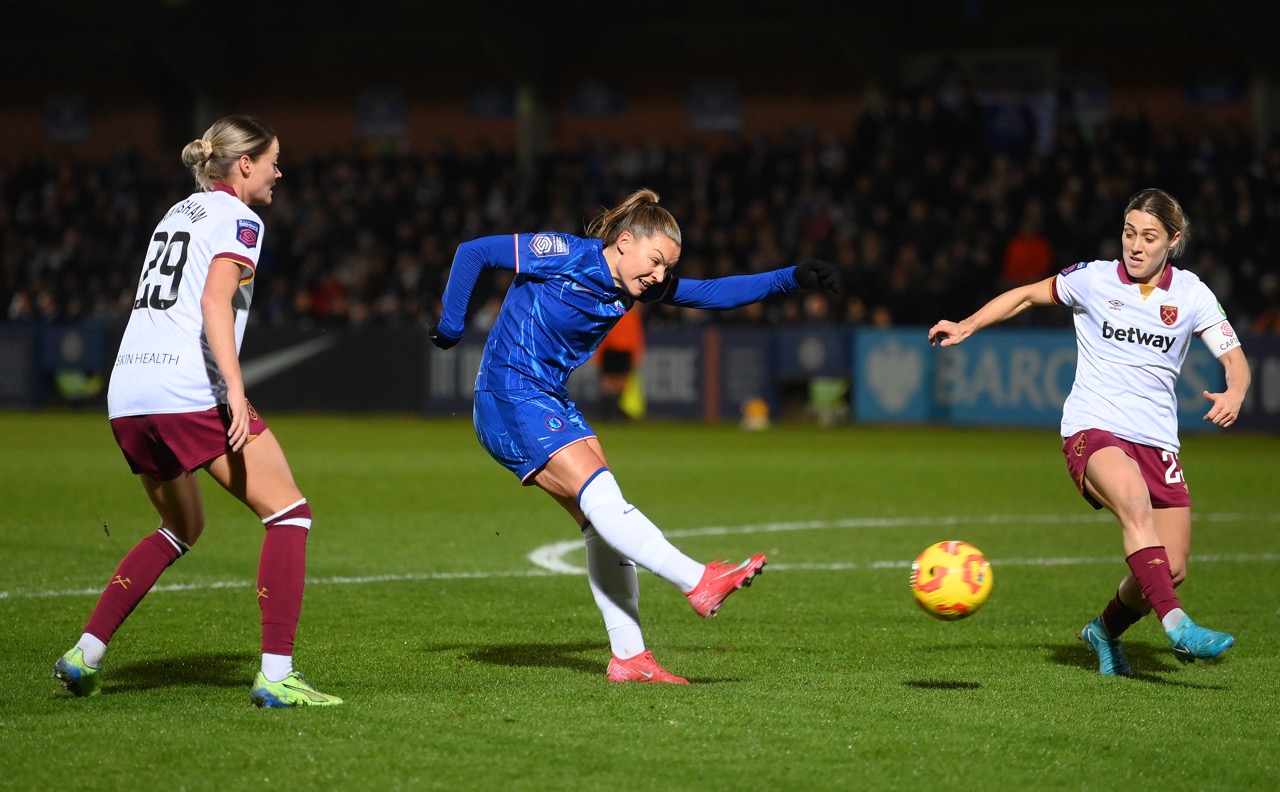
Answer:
(1134, 321)
(567, 294)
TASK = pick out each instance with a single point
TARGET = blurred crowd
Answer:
(928, 209)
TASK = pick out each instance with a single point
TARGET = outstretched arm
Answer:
(736, 291)
(468, 262)
(1005, 306)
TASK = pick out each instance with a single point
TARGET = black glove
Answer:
(443, 342)
(814, 274)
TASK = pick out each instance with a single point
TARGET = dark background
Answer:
(872, 135)
(129, 37)
(199, 57)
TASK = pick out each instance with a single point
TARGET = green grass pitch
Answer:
(466, 665)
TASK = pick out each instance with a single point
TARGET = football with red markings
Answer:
(951, 580)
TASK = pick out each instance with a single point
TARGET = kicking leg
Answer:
(1116, 481)
(580, 472)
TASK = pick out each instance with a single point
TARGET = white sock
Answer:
(1172, 619)
(632, 535)
(276, 667)
(93, 650)
(617, 593)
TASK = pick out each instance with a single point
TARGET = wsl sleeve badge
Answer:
(1074, 268)
(543, 245)
(247, 232)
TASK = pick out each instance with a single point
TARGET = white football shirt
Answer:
(164, 364)
(1132, 340)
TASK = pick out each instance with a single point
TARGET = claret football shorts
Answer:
(1162, 470)
(166, 445)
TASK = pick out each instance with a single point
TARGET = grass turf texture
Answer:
(464, 665)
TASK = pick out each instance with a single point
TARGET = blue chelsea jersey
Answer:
(563, 302)
(559, 308)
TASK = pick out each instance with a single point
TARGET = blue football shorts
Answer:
(523, 429)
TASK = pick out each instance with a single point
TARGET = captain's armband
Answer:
(1220, 338)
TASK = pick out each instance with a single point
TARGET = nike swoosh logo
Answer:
(311, 694)
(645, 674)
(264, 367)
(735, 569)
(629, 509)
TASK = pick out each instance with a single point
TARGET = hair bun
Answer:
(205, 147)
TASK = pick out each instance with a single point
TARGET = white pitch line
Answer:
(1239, 558)
(549, 559)
(338, 580)
(551, 556)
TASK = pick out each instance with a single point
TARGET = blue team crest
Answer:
(543, 245)
(247, 232)
(555, 423)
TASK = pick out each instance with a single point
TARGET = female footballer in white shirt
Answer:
(177, 405)
(1134, 320)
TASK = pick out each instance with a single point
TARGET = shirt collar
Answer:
(1165, 279)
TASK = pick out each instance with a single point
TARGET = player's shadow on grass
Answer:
(1149, 663)
(536, 655)
(548, 655)
(946, 684)
(223, 669)
(941, 684)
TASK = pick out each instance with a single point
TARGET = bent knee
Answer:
(188, 531)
